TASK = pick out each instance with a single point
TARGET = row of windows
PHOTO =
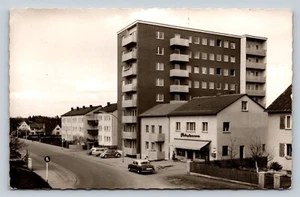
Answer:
(204, 56)
(105, 128)
(153, 146)
(212, 71)
(204, 41)
(106, 138)
(105, 117)
(153, 129)
(79, 120)
(204, 85)
(191, 127)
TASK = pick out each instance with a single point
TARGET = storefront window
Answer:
(197, 154)
(180, 152)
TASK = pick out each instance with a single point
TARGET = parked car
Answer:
(96, 151)
(110, 153)
(140, 166)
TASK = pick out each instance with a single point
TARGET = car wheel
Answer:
(138, 171)
(105, 156)
(118, 155)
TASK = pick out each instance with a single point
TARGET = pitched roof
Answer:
(34, 125)
(80, 111)
(161, 110)
(108, 108)
(283, 103)
(207, 105)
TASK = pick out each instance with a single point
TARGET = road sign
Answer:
(47, 159)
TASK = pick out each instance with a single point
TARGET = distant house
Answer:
(56, 130)
(280, 129)
(31, 128)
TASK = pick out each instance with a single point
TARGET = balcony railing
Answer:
(256, 92)
(129, 87)
(93, 123)
(179, 88)
(179, 42)
(129, 151)
(156, 155)
(179, 73)
(131, 39)
(179, 57)
(129, 103)
(254, 51)
(93, 132)
(157, 137)
(254, 65)
(130, 72)
(128, 119)
(255, 79)
(128, 135)
(129, 56)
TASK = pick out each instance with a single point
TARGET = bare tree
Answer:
(232, 151)
(15, 145)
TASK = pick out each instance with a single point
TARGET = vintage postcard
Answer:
(150, 98)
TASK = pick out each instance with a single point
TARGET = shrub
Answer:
(275, 166)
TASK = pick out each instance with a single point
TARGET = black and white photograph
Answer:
(150, 98)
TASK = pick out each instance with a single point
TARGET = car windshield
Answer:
(144, 162)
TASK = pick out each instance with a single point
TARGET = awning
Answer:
(189, 144)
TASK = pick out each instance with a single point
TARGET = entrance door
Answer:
(190, 154)
(241, 152)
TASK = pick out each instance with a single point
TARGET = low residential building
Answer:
(56, 130)
(155, 129)
(31, 128)
(107, 120)
(280, 129)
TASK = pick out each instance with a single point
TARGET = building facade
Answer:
(160, 63)
(56, 130)
(280, 129)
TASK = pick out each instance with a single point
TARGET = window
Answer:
(190, 83)
(204, 70)
(189, 68)
(159, 82)
(232, 45)
(204, 126)
(159, 129)
(226, 86)
(225, 58)
(219, 86)
(197, 55)
(211, 42)
(232, 87)
(190, 39)
(232, 72)
(196, 69)
(218, 71)
(160, 51)
(263, 147)
(244, 105)
(211, 71)
(153, 129)
(197, 40)
(160, 35)
(159, 98)
(285, 150)
(152, 145)
(232, 59)
(288, 122)
(177, 126)
(225, 71)
(204, 56)
(289, 150)
(219, 57)
(225, 126)
(196, 84)
(224, 150)
(204, 41)
(211, 56)
(226, 44)
(204, 85)
(211, 85)
(219, 43)
(180, 152)
(190, 126)
(159, 66)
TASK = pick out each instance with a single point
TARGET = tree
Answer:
(15, 145)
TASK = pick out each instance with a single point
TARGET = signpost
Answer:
(47, 159)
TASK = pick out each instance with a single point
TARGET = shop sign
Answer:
(188, 135)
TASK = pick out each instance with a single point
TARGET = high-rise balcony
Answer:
(129, 151)
(129, 56)
(92, 132)
(254, 65)
(157, 137)
(130, 71)
(179, 42)
(129, 103)
(93, 123)
(156, 155)
(255, 79)
(179, 57)
(129, 87)
(256, 92)
(179, 73)
(128, 119)
(128, 135)
(257, 52)
(179, 88)
(131, 39)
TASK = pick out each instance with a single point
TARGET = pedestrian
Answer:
(174, 156)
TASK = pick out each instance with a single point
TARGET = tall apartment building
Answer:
(160, 63)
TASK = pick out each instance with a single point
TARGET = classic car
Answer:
(140, 166)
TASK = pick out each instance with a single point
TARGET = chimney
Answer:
(72, 108)
(77, 108)
(83, 107)
(91, 106)
(108, 103)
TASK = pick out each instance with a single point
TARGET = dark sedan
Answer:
(140, 166)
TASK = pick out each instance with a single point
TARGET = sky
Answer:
(63, 58)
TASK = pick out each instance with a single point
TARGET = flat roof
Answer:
(177, 27)
(255, 37)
